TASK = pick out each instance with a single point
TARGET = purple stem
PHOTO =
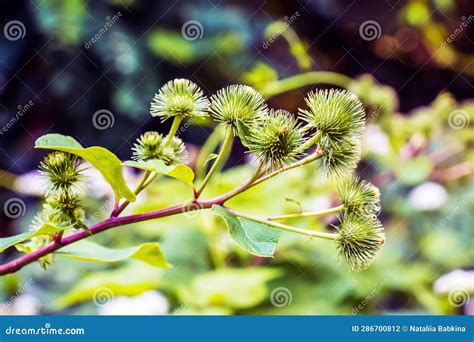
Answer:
(114, 221)
(111, 222)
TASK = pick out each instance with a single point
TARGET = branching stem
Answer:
(173, 129)
(144, 182)
(308, 214)
(115, 221)
(312, 233)
(226, 145)
(308, 78)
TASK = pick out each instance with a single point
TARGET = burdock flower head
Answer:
(359, 197)
(275, 138)
(359, 239)
(337, 116)
(340, 159)
(65, 209)
(151, 145)
(62, 172)
(179, 98)
(237, 104)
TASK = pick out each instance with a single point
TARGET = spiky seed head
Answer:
(359, 197)
(359, 240)
(338, 114)
(237, 103)
(62, 172)
(151, 145)
(340, 159)
(275, 138)
(179, 97)
(34, 244)
(148, 146)
(175, 152)
(65, 209)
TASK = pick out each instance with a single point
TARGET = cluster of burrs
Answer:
(331, 126)
(62, 173)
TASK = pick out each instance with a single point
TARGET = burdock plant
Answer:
(327, 133)
(275, 139)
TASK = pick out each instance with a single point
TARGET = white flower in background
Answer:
(320, 203)
(98, 186)
(149, 303)
(95, 181)
(30, 183)
(24, 305)
(454, 280)
(428, 196)
(375, 140)
(469, 309)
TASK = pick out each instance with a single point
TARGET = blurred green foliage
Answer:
(210, 274)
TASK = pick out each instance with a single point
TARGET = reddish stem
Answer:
(114, 221)
(111, 222)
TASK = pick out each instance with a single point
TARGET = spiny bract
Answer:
(359, 239)
(237, 104)
(275, 138)
(62, 171)
(179, 97)
(151, 145)
(33, 245)
(340, 159)
(359, 197)
(338, 115)
(65, 209)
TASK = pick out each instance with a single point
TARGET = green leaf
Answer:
(257, 238)
(178, 171)
(243, 132)
(131, 279)
(212, 156)
(149, 253)
(102, 159)
(229, 287)
(45, 229)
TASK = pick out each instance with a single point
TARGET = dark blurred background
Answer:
(64, 64)
(69, 82)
